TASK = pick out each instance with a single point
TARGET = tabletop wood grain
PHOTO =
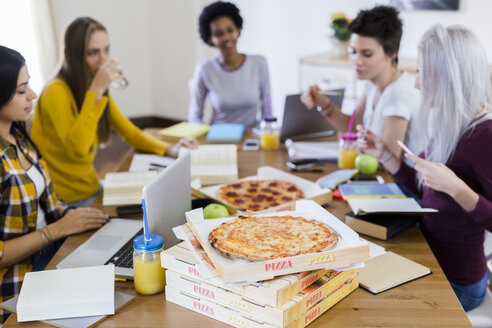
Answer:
(425, 302)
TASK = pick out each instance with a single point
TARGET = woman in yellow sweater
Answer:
(75, 113)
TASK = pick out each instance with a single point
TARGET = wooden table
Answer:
(425, 302)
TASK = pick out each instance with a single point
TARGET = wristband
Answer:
(67, 209)
(382, 161)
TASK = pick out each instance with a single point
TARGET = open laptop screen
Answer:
(300, 123)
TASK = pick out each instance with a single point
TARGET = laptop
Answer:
(167, 197)
(300, 123)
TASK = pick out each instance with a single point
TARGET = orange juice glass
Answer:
(148, 274)
(348, 151)
(270, 137)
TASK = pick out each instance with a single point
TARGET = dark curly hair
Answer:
(216, 10)
(382, 23)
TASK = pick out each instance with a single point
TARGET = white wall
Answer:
(157, 41)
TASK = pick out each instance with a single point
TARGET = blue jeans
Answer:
(86, 202)
(471, 296)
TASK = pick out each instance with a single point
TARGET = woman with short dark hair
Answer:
(390, 101)
(236, 85)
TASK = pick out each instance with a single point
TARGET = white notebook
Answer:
(120, 301)
(362, 206)
(66, 293)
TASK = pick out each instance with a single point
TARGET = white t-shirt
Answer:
(38, 180)
(399, 98)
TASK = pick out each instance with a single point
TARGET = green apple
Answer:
(366, 164)
(214, 211)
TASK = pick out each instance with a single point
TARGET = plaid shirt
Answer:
(18, 208)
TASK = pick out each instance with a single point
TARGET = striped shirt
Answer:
(18, 207)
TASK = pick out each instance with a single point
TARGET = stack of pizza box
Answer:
(293, 300)
(287, 292)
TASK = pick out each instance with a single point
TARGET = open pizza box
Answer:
(349, 250)
(311, 190)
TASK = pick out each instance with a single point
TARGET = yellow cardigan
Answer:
(67, 138)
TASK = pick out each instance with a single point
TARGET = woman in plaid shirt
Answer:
(32, 217)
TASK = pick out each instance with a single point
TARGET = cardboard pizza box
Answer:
(279, 316)
(348, 251)
(311, 189)
(274, 292)
(236, 319)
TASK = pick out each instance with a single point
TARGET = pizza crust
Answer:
(266, 238)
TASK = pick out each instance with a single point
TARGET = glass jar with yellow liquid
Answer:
(270, 137)
(348, 151)
(149, 276)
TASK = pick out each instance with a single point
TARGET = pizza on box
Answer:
(271, 237)
(256, 195)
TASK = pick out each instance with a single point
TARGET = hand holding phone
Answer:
(405, 148)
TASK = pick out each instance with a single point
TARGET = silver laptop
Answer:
(167, 197)
(300, 123)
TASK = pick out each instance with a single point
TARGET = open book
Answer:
(363, 206)
(125, 188)
(214, 164)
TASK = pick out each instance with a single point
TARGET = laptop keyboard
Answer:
(123, 258)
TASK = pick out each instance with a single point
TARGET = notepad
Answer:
(371, 190)
(363, 206)
(214, 164)
(185, 130)
(322, 150)
(228, 133)
(66, 293)
(389, 270)
(120, 301)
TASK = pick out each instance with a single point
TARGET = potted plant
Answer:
(339, 34)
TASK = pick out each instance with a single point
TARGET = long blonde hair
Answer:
(456, 89)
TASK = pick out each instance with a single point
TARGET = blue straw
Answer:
(146, 224)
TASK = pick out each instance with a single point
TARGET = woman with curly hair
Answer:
(390, 101)
(236, 85)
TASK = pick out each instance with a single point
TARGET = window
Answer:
(17, 31)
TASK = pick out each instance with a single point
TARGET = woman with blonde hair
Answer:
(76, 113)
(453, 174)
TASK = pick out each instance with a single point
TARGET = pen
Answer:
(331, 92)
(119, 279)
(308, 170)
(158, 165)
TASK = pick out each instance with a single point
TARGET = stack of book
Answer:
(293, 300)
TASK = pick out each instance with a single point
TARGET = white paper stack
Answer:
(67, 293)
